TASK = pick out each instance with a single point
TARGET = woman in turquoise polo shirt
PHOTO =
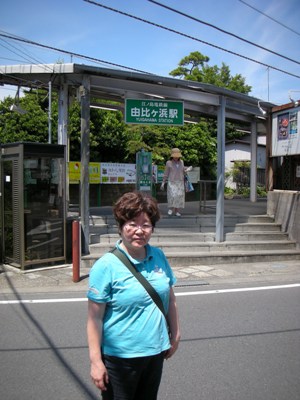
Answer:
(128, 336)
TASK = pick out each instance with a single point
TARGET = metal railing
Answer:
(203, 184)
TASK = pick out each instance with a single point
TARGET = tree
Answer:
(189, 67)
(31, 126)
(156, 139)
(195, 68)
(108, 137)
(111, 140)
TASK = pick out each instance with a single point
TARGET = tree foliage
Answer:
(29, 127)
(111, 140)
(195, 68)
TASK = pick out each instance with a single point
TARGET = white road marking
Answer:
(249, 289)
(203, 292)
(44, 301)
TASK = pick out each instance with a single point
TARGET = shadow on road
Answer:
(59, 357)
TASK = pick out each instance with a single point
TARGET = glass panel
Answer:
(8, 209)
(43, 208)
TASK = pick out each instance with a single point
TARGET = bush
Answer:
(244, 192)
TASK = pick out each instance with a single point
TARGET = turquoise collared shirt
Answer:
(133, 326)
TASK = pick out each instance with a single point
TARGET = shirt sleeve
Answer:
(171, 275)
(167, 172)
(99, 289)
(168, 270)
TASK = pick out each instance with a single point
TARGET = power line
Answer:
(10, 59)
(268, 16)
(69, 52)
(21, 49)
(223, 31)
(19, 52)
(190, 37)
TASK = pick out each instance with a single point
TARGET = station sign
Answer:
(154, 112)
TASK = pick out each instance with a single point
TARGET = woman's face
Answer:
(137, 232)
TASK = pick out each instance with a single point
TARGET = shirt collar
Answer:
(149, 253)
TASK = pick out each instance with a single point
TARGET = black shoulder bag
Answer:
(148, 287)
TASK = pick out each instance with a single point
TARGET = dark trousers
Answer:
(133, 378)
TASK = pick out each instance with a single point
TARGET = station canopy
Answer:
(111, 86)
(200, 99)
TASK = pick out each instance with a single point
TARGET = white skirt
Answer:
(176, 194)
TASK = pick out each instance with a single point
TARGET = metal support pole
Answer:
(50, 113)
(76, 250)
(85, 159)
(63, 105)
(62, 129)
(253, 169)
(220, 172)
(269, 159)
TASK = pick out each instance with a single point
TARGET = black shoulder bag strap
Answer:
(148, 287)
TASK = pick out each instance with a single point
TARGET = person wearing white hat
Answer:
(174, 175)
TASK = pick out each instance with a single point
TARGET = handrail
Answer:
(202, 198)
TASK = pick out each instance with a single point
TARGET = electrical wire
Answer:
(97, 60)
(23, 52)
(11, 59)
(18, 52)
(223, 31)
(190, 37)
(271, 18)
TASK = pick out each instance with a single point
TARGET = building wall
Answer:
(240, 151)
(284, 206)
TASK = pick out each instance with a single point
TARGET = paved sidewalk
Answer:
(60, 279)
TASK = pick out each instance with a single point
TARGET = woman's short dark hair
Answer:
(132, 204)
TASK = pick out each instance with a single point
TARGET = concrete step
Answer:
(184, 235)
(210, 220)
(99, 229)
(192, 247)
(190, 240)
(191, 224)
(256, 227)
(189, 259)
(259, 235)
(205, 220)
(163, 237)
(182, 259)
(167, 237)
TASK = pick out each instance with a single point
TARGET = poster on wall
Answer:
(119, 173)
(74, 170)
(285, 133)
(115, 173)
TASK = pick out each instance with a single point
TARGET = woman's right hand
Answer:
(98, 372)
(162, 186)
(99, 375)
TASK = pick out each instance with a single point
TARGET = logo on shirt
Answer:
(158, 270)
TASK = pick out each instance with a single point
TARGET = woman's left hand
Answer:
(173, 325)
(172, 349)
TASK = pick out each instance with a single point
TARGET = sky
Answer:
(119, 41)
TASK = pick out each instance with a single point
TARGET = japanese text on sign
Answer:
(154, 112)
